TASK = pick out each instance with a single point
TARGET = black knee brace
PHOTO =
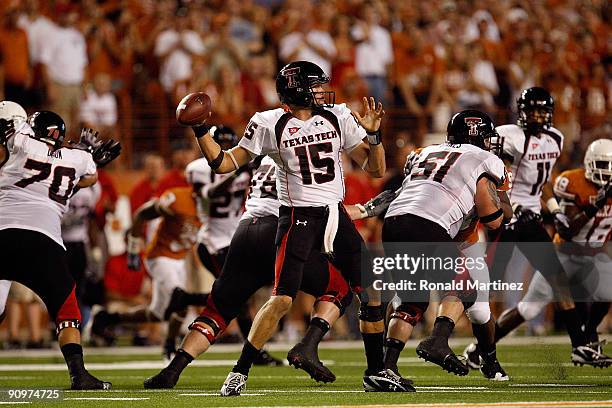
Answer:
(409, 313)
(198, 325)
(371, 313)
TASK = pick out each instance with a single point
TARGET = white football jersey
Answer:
(75, 223)
(532, 160)
(219, 215)
(440, 183)
(307, 153)
(36, 183)
(263, 197)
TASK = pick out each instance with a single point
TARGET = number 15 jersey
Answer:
(307, 153)
(440, 183)
(36, 183)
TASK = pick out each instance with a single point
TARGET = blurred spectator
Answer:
(38, 29)
(153, 168)
(258, 84)
(227, 97)
(175, 47)
(15, 69)
(374, 52)
(98, 109)
(345, 50)
(64, 56)
(21, 299)
(222, 50)
(596, 97)
(307, 43)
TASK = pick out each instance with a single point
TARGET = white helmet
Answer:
(598, 161)
(12, 111)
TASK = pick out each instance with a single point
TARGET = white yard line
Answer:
(232, 348)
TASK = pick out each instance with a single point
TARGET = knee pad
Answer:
(65, 324)
(341, 302)
(371, 313)
(409, 313)
(199, 325)
(529, 310)
(479, 313)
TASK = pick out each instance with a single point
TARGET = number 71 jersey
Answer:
(307, 153)
(440, 183)
(36, 183)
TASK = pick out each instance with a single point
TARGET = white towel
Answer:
(331, 228)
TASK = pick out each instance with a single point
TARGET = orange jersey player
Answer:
(163, 258)
(176, 233)
(586, 199)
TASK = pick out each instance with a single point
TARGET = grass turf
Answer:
(539, 372)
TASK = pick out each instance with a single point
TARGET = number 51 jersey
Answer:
(36, 183)
(307, 153)
(440, 183)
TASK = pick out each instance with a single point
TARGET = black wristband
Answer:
(200, 130)
(492, 216)
(214, 164)
(374, 138)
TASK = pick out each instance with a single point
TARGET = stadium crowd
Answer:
(121, 66)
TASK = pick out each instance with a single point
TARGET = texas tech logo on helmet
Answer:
(291, 75)
(473, 124)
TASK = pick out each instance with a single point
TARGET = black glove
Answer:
(7, 128)
(378, 204)
(562, 225)
(526, 216)
(106, 152)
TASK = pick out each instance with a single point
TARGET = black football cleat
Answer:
(493, 371)
(472, 357)
(587, 355)
(86, 381)
(165, 379)
(169, 351)
(305, 359)
(387, 381)
(435, 349)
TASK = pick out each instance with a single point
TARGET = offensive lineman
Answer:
(9, 112)
(36, 183)
(443, 184)
(531, 149)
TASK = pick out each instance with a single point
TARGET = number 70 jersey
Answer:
(440, 183)
(36, 184)
(307, 153)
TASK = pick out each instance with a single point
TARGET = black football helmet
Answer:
(48, 127)
(295, 81)
(535, 110)
(225, 136)
(475, 128)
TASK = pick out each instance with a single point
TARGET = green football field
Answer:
(541, 376)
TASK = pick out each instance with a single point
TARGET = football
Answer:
(193, 109)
